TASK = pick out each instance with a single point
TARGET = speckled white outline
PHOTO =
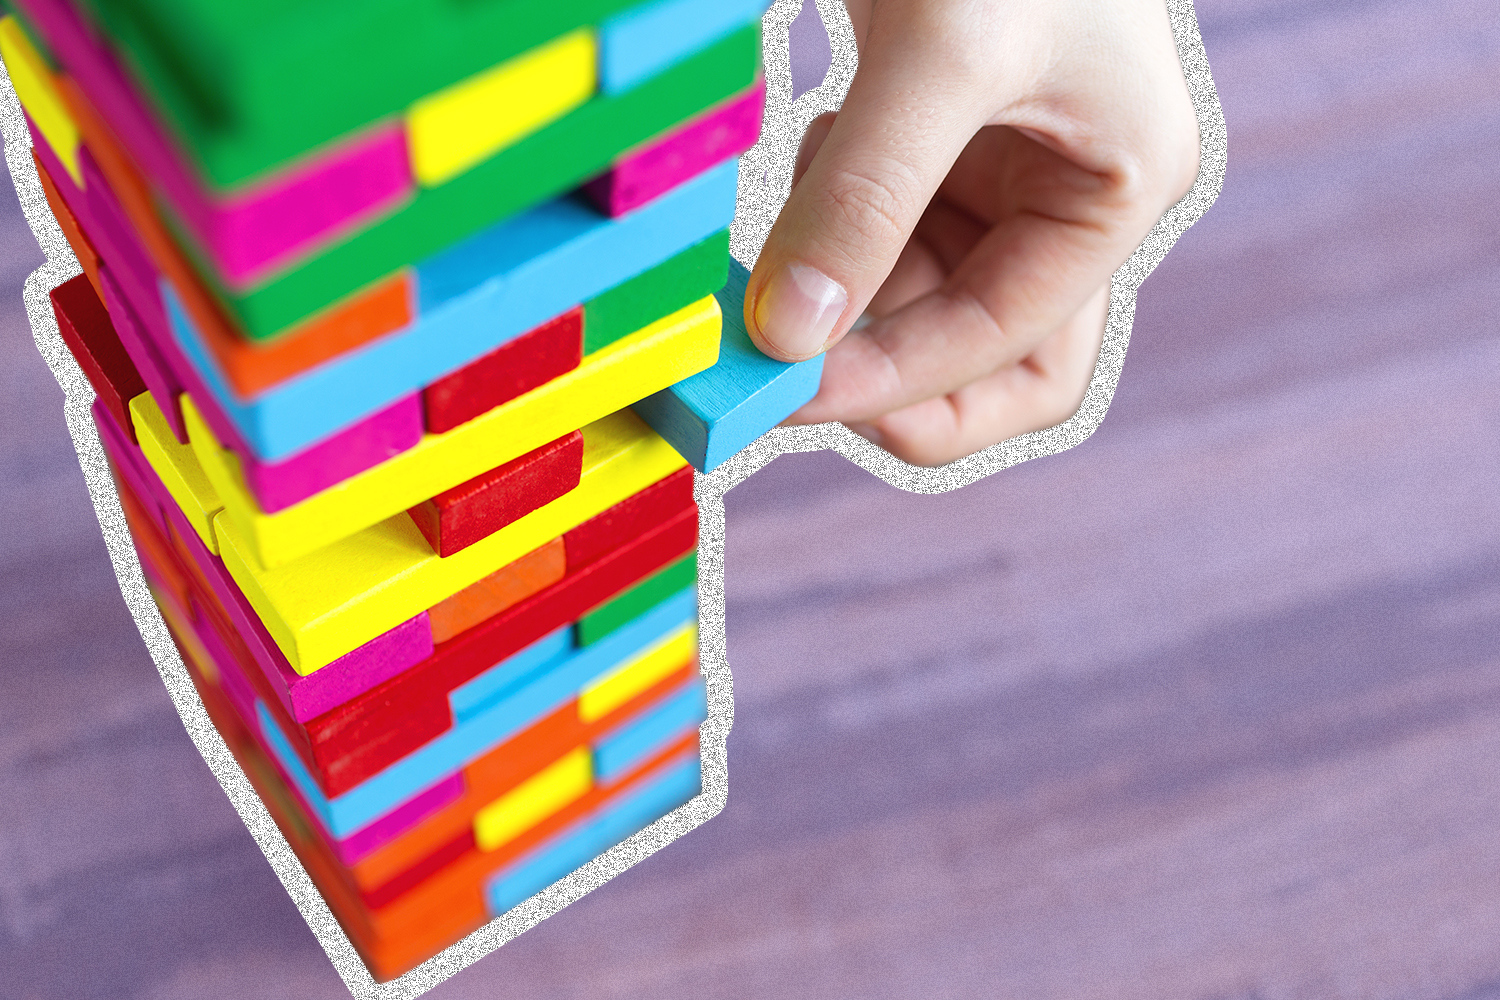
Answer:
(765, 180)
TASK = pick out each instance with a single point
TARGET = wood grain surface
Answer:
(1208, 707)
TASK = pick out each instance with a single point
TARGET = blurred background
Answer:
(1208, 707)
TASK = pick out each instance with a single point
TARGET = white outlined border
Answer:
(765, 180)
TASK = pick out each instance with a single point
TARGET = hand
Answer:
(994, 163)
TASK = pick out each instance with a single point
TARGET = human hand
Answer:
(994, 162)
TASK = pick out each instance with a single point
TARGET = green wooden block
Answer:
(247, 87)
(551, 161)
(637, 600)
(669, 286)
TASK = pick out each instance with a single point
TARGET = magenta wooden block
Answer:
(700, 144)
(382, 435)
(364, 842)
(128, 461)
(252, 231)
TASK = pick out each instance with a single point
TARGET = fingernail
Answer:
(797, 311)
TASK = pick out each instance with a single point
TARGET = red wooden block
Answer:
(381, 726)
(510, 370)
(457, 518)
(85, 327)
(630, 519)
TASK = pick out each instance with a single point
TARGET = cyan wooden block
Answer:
(638, 43)
(712, 415)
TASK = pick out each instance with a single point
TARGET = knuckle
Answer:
(859, 201)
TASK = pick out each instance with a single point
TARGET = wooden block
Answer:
(510, 370)
(88, 259)
(455, 128)
(661, 291)
(177, 469)
(85, 327)
(659, 355)
(471, 511)
(382, 726)
(669, 785)
(126, 463)
(686, 151)
(648, 38)
(321, 605)
(154, 372)
(598, 536)
(607, 693)
(502, 589)
(637, 600)
(37, 90)
(712, 415)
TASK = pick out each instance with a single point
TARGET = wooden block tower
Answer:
(407, 320)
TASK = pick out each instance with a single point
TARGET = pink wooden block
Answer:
(127, 460)
(364, 842)
(265, 225)
(382, 435)
(643, 175)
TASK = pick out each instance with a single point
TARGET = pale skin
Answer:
(994, 163)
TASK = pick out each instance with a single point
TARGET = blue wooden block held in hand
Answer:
(712, 415)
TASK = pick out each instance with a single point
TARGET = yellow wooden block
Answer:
(32, 78)
(331, 601)
(532, 801)
(630, 679)
(452, 130)
(666, 352)
(177, 467)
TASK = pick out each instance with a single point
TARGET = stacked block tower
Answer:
(408, 321)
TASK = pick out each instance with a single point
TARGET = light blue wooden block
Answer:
(467, 741)
(586, 839)
(648, 39)
(475, 296)
(712, 415)
(630, 745)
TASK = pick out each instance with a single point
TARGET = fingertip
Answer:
(793, 314)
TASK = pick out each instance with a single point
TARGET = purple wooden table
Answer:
(1208, 707)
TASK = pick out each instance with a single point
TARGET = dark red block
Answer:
(85, 327)
(510, 370)
(629, 519)
(457, 518)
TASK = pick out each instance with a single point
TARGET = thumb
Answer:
(851, 213)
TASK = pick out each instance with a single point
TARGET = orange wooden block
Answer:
(82, 248)
(506, 587)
